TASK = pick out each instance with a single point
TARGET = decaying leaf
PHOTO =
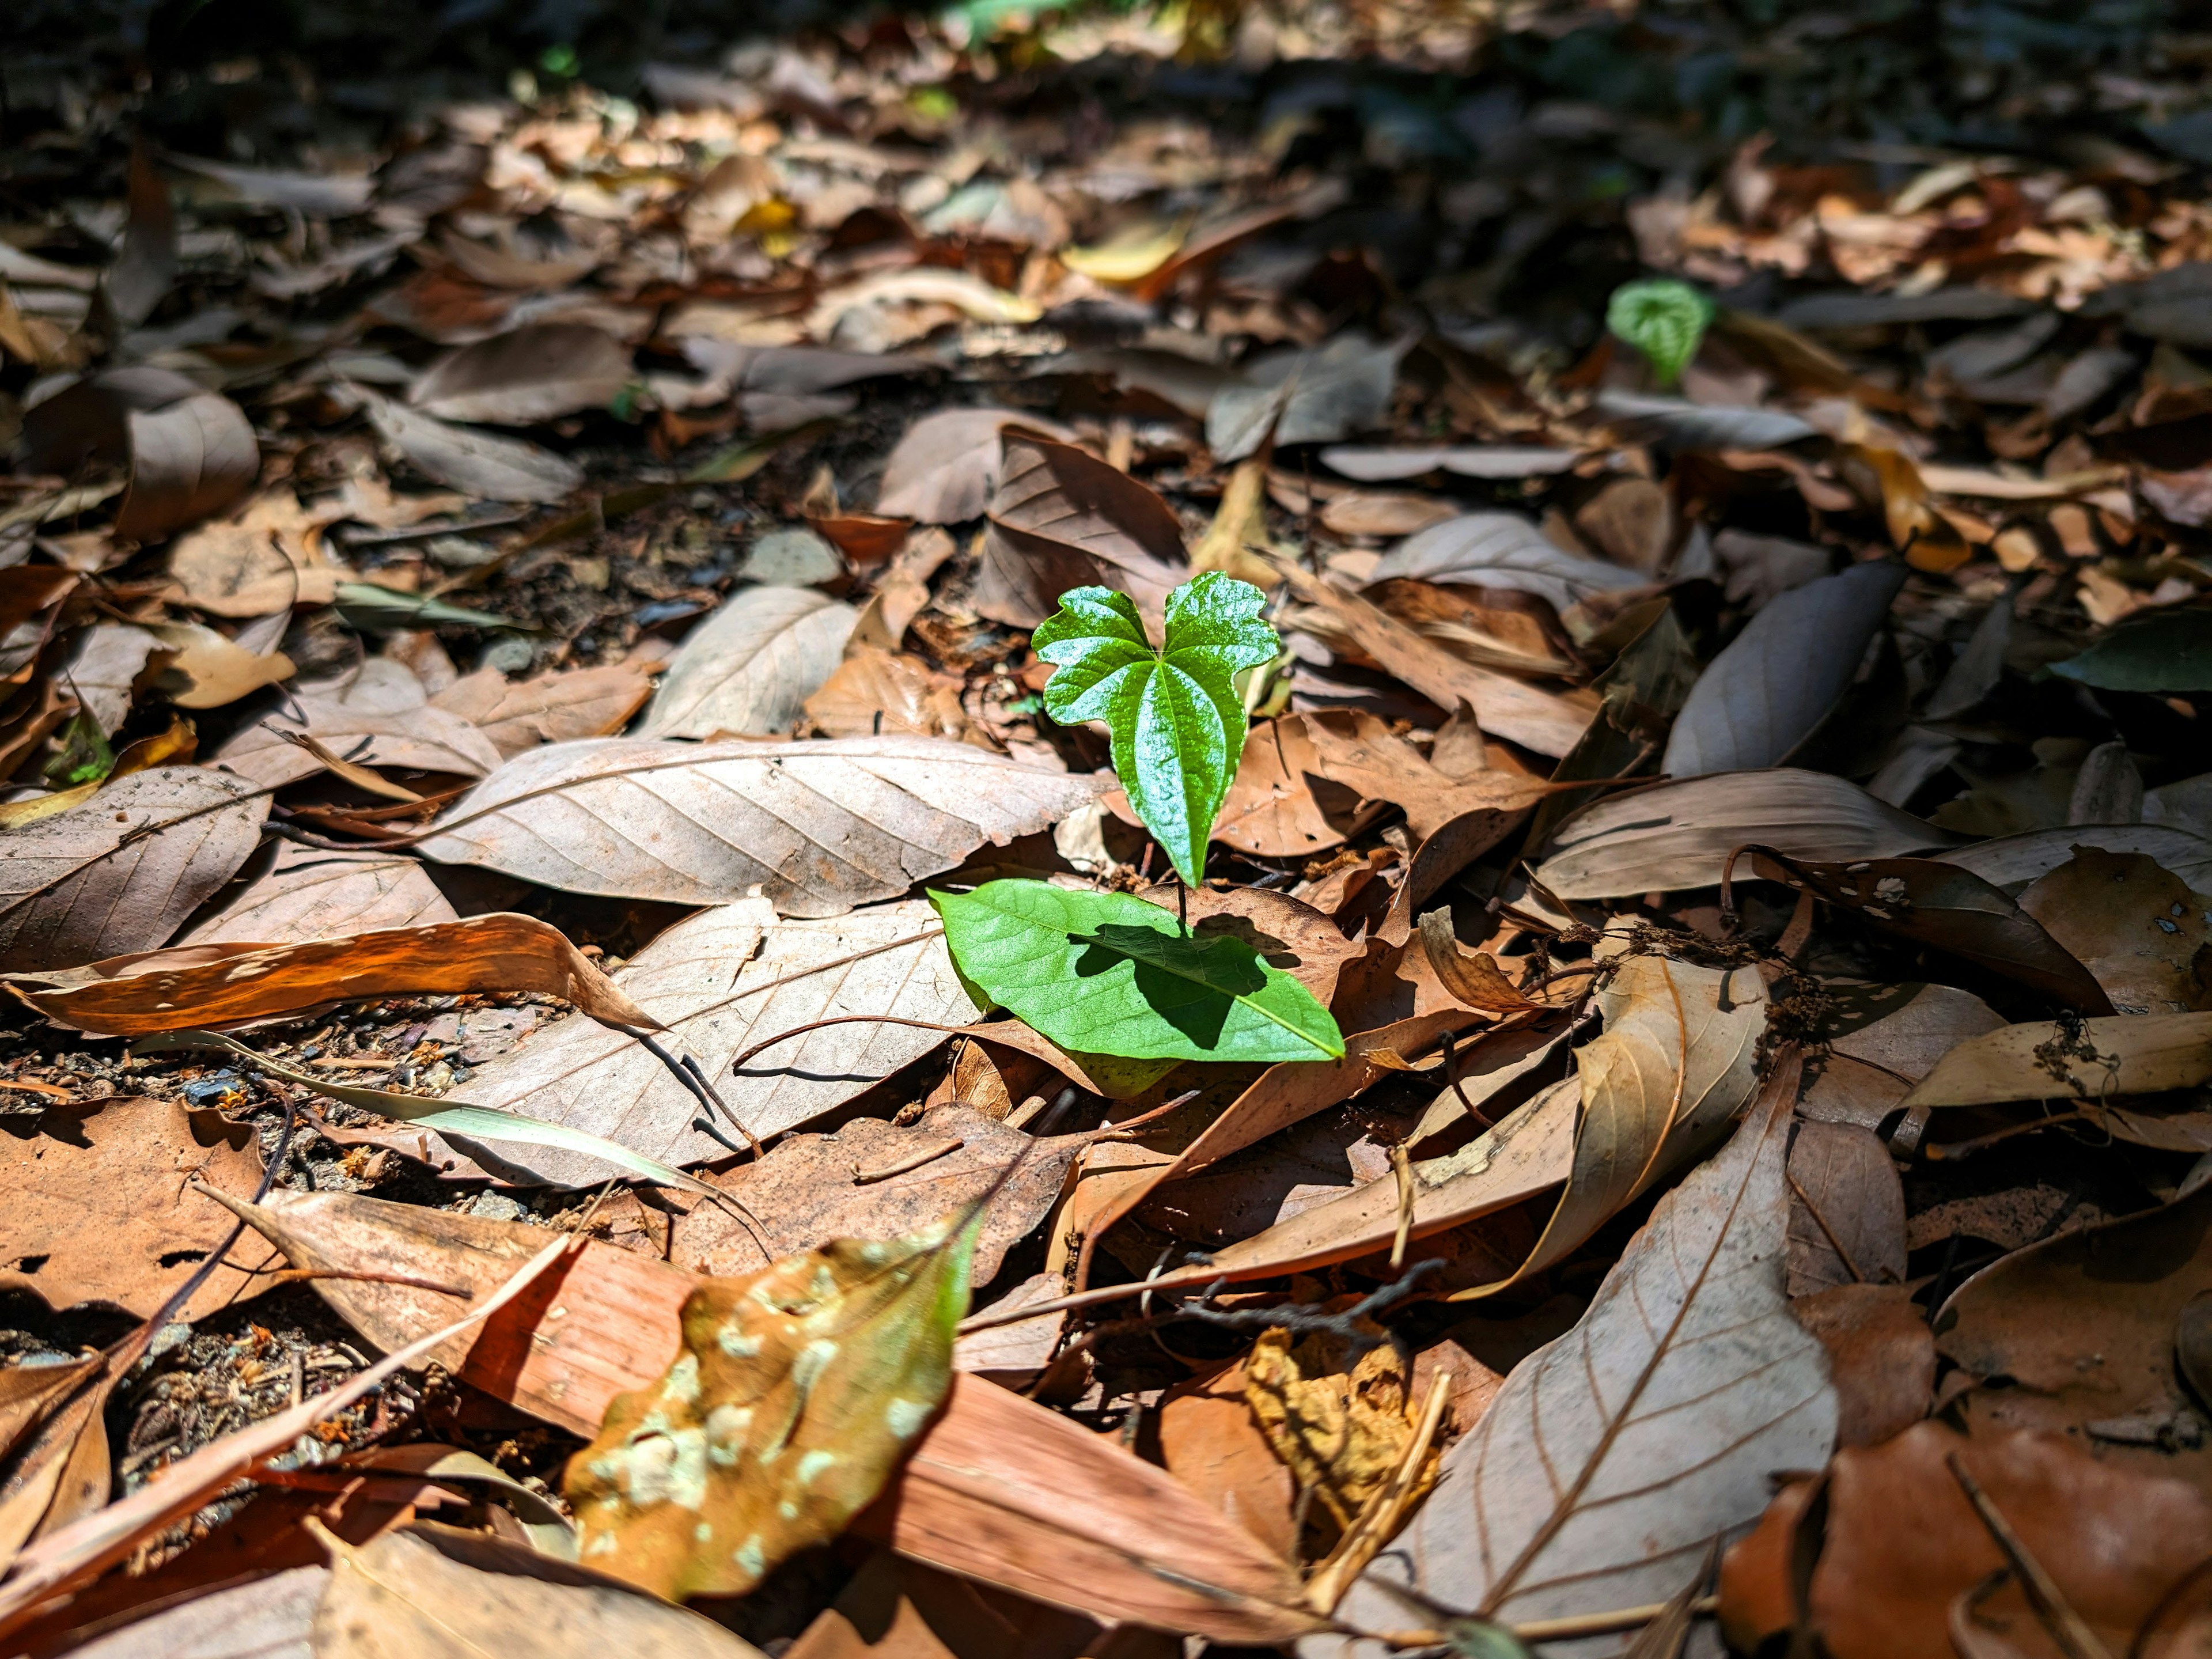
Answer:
(752, 666)
(385, 707)
(819, 826)
(796, 1393)
(946, 469)
(724, 980)
(481, 464)
(1611, 1460)
(122, 872)
(2139, 929)
(1341, 1422)
(1846, 1210)
(190, 453)
(216, 983)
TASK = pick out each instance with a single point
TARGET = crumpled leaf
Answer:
(1107, 973)
(1340, 1421)
(2085, 1060)
(797, 1392)
(1177, 719)
(191, 452)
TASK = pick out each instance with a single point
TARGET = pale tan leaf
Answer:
(874, 691)
(2013, 861)
(2085, 1060)
(1503, 550)
(427, 1594)
(752, 666)
(946, 467)
(1611, 1460)
(1061, 517)
(556, 708)
(266, 558)
(480, 464)
(817, 827)
(202, 669)
(1673, 835)
(723, 982)
(1877, 1052)
(386, 707)
(122, 872)
(1846, 1210)
(309, 892)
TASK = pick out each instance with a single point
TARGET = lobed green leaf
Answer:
(1664, 319)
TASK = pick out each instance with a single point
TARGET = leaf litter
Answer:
(1367, 828)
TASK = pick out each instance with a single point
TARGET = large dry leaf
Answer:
(724, 981)
(1885, 1556)
(100, 1206)
(403, 1596)
(817, 827)
(556, 708)
(191, 452)
(309, 892)
(190, 985)
(1505, 550)
(386, 707)
(202, 669)
(271, 1617)
(538, 371)
(998, 1489)
(1672, 835)
(2087, 1334)
(1880, 1357)
(1881, 1044)
(1282, 804)
(266, 558)
(121, 872)
(481, 464)
(2081, 1059)
(946, 467)
(752, 666)
(1060, 519)
(1611, 1459)
(2013, 862)
(1550, 723)
(874, 1179)
(874, 691)
(2138, 928)
(1764, 695)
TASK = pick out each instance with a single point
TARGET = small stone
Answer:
(498, 1206)
(508, 653)
(459, 552)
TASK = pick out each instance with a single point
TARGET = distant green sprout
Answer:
(1664, 319)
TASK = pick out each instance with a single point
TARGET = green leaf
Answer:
(86, 755)
(1108, 974)
(375, 610)
(2168, 649)
(1663, 320)
(1177, 720)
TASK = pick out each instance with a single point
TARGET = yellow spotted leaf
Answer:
(798, 1390)
(1339, 1420)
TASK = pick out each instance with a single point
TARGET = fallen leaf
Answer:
(535, 373)
(1882, 1356)
(1680, 424)
(122, 872)
(1061, 518)
(1380, 463)
(1610, 1460)
(1375, 513)
(481, 465)
(266, 558)
(204, 668)
(874, 691)
(752, 666)
(723, 982)
(2113, 1542)
(1759, 701)
(1503, 550)
(432, 1593)
(386, 708)
(1946, 908)
(897, 1609)
(145, 267)
(1672, 835)
(103, 1208)
(811, 1187)
(1282, 804)
(1341, 387)
(105, 669)
(1359, 752)
(796, 1393)
(1211, 1442)
(309, 893)
(946, 469)
(1341, 1420)
(1846, 1210)
(819, 827)
(1550, 723)
(1879, 1046)
(2012, 862)
(556, 707)
(190, 453)
(218, 984)
(2140, 930)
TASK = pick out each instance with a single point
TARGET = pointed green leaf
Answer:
(1665, 320)
(1108, 974)
(1177, 722)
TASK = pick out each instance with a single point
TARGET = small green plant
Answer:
(1107, 973)
(1664, 319)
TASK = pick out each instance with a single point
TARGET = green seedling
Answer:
(1105, 973)
(1664, 319)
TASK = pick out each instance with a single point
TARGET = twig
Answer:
(899, 1166)
(1401, 1168)
(2066, 1627)
(694, 1082)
